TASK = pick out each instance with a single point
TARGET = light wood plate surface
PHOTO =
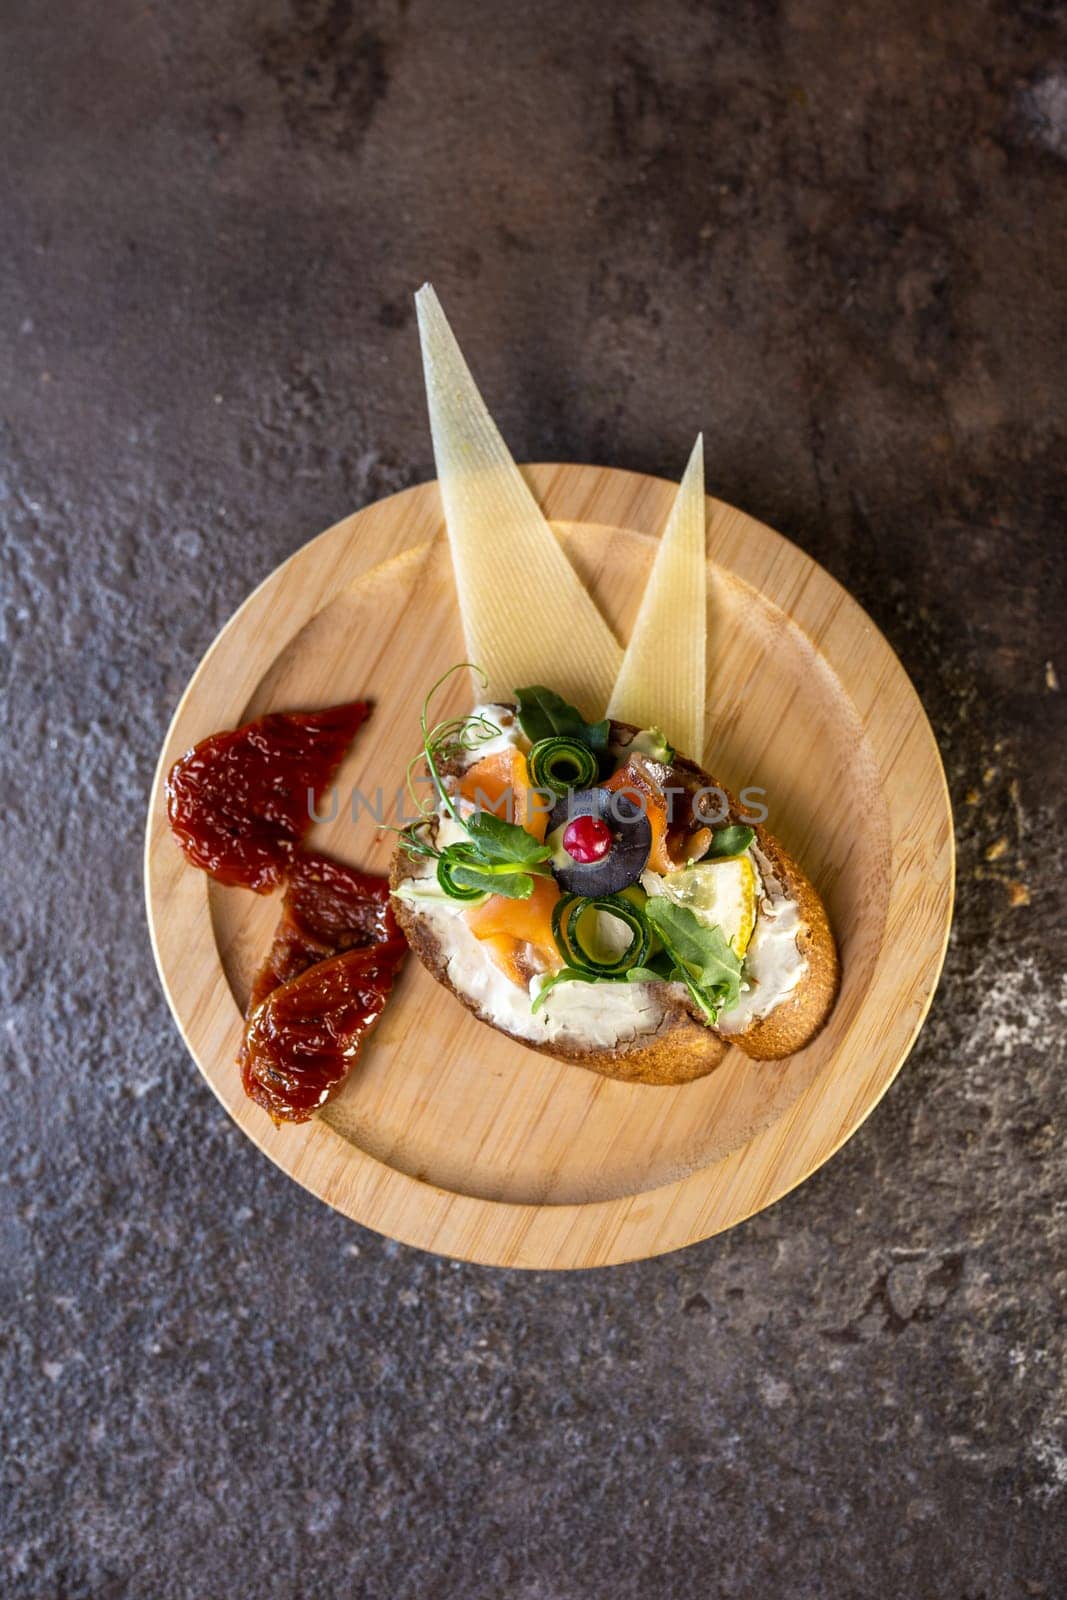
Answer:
(450, 1136)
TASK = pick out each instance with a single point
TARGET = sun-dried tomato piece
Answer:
(302, 1041)
(328, 908)
(308, 1015)
(238, 802)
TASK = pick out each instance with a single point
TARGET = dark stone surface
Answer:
(833, 236)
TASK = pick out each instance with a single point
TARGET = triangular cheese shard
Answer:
(662, 680)
(527, 617)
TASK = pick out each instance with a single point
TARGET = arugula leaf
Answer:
(543, 714)
(643, 975)
(499, 841)
(703, 959)
(565, 975)
(731, 841)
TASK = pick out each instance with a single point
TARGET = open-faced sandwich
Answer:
(591, 892)
(583, 886)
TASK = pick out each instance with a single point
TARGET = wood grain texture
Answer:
(451, 1137)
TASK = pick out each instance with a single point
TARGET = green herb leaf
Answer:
(567, 975)
(653, 742)
(662, 961)
(572, 975)
(463, 872)
(442, 737)
(658, 968)
(428, 892)
(415, 844)
(703, 959)
(513, 885)
(496, 857)
(731, 841)
(498, 841)
(543, 714)
(455, 858)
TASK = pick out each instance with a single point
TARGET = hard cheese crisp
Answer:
(527, 617)
(662, 680)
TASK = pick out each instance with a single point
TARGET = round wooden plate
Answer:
(449, 1135)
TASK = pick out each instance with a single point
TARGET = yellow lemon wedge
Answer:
(720, 894)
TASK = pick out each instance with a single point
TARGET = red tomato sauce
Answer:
(322, 988)
(238, 803)
(328, 908)
(303, 1040)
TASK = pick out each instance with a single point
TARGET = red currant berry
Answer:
(587, 839)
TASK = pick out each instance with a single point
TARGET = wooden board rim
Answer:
(552, 1235)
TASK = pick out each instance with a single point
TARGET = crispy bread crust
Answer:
(797, 1019)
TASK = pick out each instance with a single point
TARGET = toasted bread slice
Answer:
(796, 1019)
(791, 1024)
(661, 1037)
(672, 1046)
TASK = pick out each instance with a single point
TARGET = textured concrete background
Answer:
(832, 235)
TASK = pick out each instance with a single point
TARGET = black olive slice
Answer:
(624, 862)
